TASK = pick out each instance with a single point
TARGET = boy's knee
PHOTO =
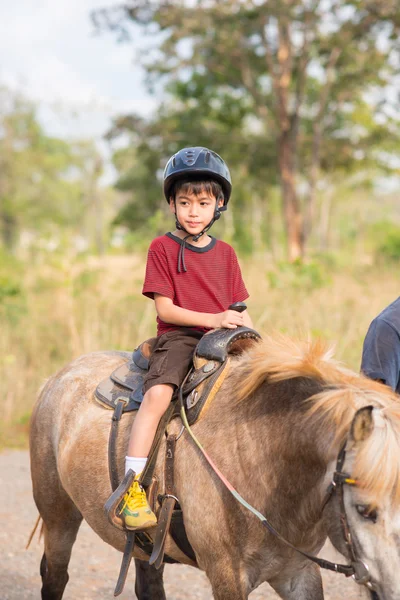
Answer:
(158, 396)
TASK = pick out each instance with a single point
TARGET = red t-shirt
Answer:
(211, 283)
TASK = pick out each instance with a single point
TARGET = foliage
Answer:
(285, 90)
(298, 275)
(388, 245)
(46, 184)
(12, 291)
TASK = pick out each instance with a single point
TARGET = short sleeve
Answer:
(157, 278)
(239, 292)
(381, 354)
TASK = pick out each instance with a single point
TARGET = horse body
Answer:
(258, 431)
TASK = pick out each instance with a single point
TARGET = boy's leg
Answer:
(135, 509)
(155, 402)
(169, 364)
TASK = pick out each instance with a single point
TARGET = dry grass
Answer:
(73, 308)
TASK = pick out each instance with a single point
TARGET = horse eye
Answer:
(368, 513)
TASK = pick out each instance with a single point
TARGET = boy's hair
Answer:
(190, 186)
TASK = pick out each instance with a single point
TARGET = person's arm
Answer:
(381, 354)
(169, 313)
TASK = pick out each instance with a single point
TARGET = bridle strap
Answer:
(347, 570)
(361, 572)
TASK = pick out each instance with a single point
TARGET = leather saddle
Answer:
(210, 367)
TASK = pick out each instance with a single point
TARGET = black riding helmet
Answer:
(199, 164)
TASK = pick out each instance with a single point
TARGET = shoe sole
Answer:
(145, 525)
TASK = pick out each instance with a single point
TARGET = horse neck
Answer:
(265, 447)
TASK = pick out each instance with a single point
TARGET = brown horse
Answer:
(274, 430)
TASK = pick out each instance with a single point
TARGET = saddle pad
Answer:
(108, 393)
(124, 383)
(128, 375)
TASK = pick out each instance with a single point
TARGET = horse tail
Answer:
(34, 531)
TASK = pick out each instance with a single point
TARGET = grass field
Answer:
(54, 312)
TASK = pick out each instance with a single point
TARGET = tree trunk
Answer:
(324, 220)
(8, 228)
(310, 200)
(291, 208)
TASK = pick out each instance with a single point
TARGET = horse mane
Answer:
(279, 358)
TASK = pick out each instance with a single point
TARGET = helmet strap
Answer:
(181, 257)
(217, 214)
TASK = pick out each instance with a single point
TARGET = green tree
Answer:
(301, 68)
(46, 183)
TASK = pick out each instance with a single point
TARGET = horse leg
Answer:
(305, 584)
(149, 584)
(225, 581)
(61, 521)
(59, 537)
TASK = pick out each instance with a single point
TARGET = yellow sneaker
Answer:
(135, 509)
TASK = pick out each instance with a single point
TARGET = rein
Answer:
(357, 569)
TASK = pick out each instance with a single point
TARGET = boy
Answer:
(193, 279)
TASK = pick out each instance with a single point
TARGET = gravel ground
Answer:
(94, 565)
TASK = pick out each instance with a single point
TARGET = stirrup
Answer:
(113, 502)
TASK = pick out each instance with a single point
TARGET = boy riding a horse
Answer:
(193, 278)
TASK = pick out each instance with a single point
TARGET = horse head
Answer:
(364, 511)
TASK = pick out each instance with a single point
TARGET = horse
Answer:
(285, 412)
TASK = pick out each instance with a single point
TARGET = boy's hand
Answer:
(230, 319)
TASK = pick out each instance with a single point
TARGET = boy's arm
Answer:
(247, 322)
(169, 313)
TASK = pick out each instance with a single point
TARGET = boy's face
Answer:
(194, 212)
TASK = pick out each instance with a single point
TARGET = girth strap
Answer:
(167, 507)
(112, 459)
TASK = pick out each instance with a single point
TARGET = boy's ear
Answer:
(220, 202)
(172, 205)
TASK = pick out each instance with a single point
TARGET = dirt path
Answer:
(94, 565)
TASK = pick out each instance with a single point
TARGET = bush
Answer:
(310, 275)
(12, 292)
(389, 249)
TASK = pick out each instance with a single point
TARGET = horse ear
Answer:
(363, 424)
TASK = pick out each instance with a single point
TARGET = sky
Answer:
(80, 79)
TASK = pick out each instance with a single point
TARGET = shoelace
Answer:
(135, 498)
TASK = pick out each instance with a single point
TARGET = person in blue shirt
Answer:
(381, 349)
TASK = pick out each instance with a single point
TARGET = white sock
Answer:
(135, 463)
